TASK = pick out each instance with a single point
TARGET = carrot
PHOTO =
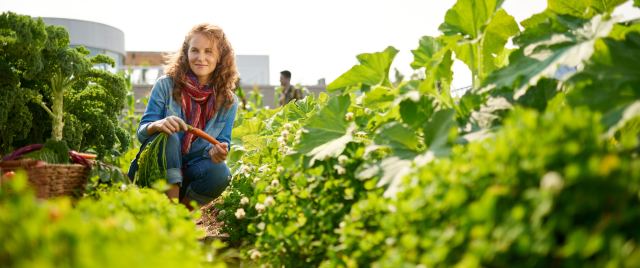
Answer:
(86, 155)
(198, 132)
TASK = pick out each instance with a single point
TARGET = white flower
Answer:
(279, 169)
(348, 116)
(261, 225)
(255, 254)
(390, 241)
(275, 183)
(245, 170)
(342, 159)
(260, 207)
(339, 169)
(284, 133)
(244, 201)
(285, 150)
(392, 208)
(342, 224)
(367, 111)
(123, 187)
(269, 201)
(240, 214)
(263, 169)
(222, 212)
(287, 126)
(552, 181)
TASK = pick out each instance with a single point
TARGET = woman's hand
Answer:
(218, 152)
(169, 125)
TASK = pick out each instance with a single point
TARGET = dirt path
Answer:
(209, 221)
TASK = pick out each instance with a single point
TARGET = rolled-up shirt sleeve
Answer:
(155, 108)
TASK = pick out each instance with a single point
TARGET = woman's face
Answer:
(203, 57)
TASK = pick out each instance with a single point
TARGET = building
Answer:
(96, 37)
(147, 66)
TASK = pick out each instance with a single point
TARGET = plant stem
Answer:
(57, 99)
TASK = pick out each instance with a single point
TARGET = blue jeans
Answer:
(199, 178)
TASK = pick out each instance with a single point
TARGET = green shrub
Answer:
(122, 228)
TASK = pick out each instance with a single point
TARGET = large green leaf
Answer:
(391, 170)
(542, 59)
(542, 25)
(501, 27)
(372, 70)
(482, 56)
(538, 96)
(429, 49)
(248, 126)
(620, 30)
(327, 133)
(301, 109)
(413, 112)
(611, 78)
(436, 131)
(618, 118)
(583, 8)
(636, 3)
(402, 140)
(434, 54)
(379, 98)
(483, 29)
(405, 146)
(469, 17)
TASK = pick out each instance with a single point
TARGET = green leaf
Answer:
(469, 102)
(469, 17)
(414, 112)
(436, 131)
(611, 77)
(620, 30)
(248, 126)
(372, 70)
(636, 3)
(542, 25)
(402, 140)
(327, 133)
(484, 29)
(542, 59)
(583, 8)
(484, 57)
(379, 98)
(502, 27)
(435, 56)
(429, 49)
(391, 171)
(301, 109)
(618, 118)
(538, 96)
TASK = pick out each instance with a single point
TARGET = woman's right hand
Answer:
(169, 125)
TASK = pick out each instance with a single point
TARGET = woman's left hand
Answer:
(218, 152)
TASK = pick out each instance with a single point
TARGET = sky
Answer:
(312, 39)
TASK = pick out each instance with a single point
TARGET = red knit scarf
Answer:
(198, 106)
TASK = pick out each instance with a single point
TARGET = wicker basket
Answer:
(51, 180)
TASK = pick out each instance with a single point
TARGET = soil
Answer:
(209, 221)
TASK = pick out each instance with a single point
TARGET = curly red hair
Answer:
(224, 76)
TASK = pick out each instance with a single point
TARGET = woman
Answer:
(197, 90)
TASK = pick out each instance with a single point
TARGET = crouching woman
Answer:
(197, 90)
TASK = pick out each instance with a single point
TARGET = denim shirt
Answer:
(161, 104)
